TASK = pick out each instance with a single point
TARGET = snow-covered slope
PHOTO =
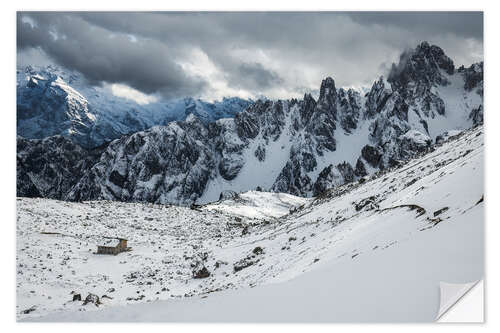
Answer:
(56, 101)
(373, 250)
(254, 204)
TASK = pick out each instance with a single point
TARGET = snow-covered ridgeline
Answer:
(56, 101)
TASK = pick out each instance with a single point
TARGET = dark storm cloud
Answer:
(254, 75)
(105, 57)
(254, 52)
(465, 24)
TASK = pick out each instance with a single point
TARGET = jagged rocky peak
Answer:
(57, 101)
(423, 65)
(349, 109)
(320, 121)
(47, 98)
(473, 77)
(328, 97)
(264, 117)
(308, 107)
(377, 97)
(146, 166)
(295, 146)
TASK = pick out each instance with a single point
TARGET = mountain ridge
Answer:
(301, 147)
(56, 101)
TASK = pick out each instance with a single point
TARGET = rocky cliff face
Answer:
(51, 167)
(300, 147)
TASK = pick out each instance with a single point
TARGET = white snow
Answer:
(260, 205)
(266, 172)
(417, 137)
(458, 104)
(348, 148)
(366, 252)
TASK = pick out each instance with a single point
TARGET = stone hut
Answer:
(114, 250)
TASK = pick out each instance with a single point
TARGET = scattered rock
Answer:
(258, 250)
(92, 298)
(243, 263)
(244, 231)
(440, 211)
(369, 203)
(29, 310)
(201, 273)
(219, 263)
(226, 195)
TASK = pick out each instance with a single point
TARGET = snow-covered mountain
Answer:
(365, 251)
(54, 101)
(301, 147)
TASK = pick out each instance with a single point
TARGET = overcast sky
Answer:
(211, 55)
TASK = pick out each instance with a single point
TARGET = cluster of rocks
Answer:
(249, 260)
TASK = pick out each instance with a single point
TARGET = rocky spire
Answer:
(423, 65)
(327, 95)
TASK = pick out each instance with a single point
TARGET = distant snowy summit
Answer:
(54, 101)
(301, 147)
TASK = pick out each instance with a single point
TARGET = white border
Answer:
(8, 166)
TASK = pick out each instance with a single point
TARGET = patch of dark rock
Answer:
(195, 207)
(92, 298)
(226, 195)
(248, 260)
(243, 263)
(411, 182)
(480, 200)
(77, 297)
(420, 210)
(219, 263)
(201, 273)
(316, 260)
(440, 211)
(369, 203)
(29, 310)
(138, 298)
(435, 221)
(258, 250)
(467, 152)
(372, 155)
(244, 231)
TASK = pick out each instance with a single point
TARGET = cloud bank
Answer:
(211, 54)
